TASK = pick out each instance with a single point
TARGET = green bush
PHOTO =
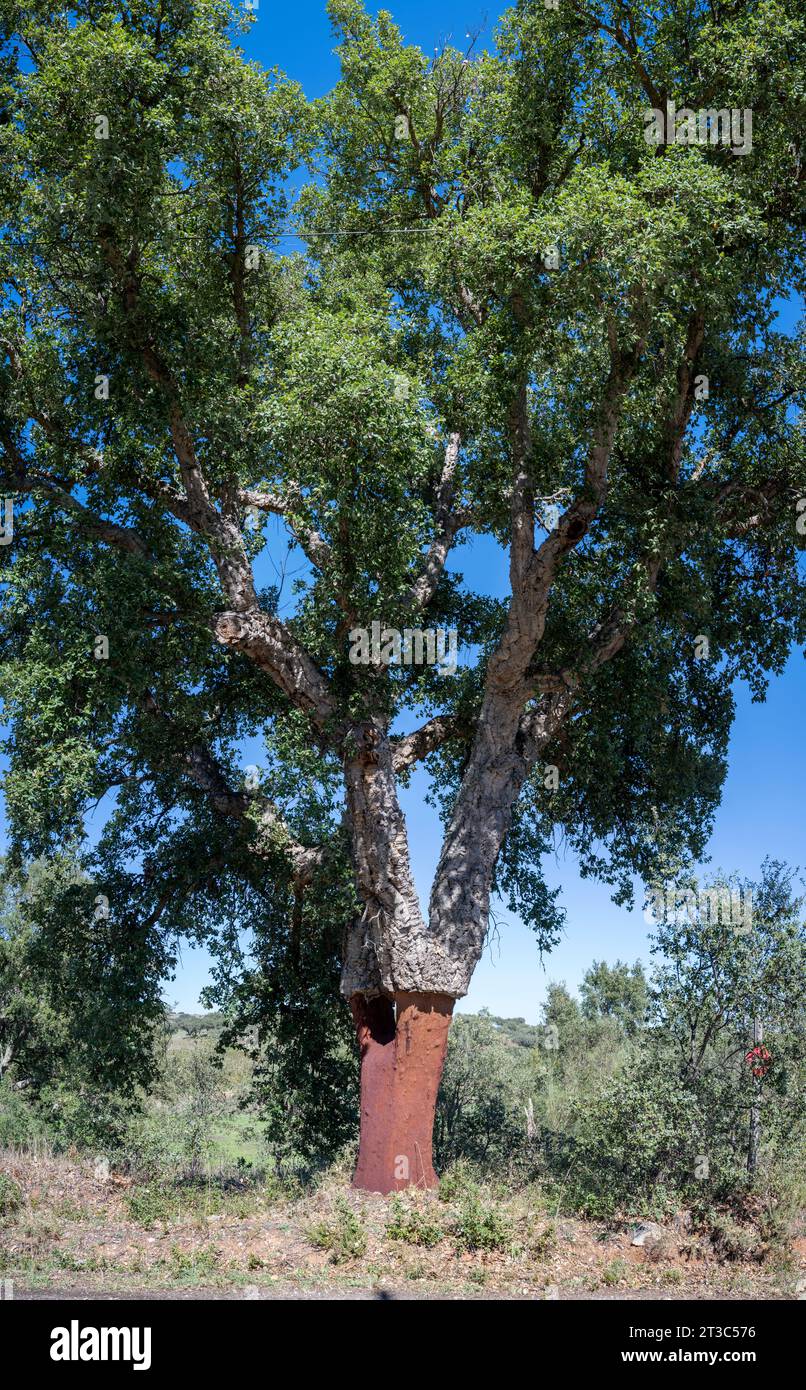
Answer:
(21, 1125)
(615, 1272)
(635, 1147)
(481, 1226)
(457, 1182)
(150, 1148)
(193, 1264)
(343, 1235)
(94, 1120)
(149, 1206)
(480, 1107)
(160, 1203)
(541, 1243)
(10, 1195)
(409, 1223)
(736, 1240)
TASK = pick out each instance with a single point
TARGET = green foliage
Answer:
(457, 1181)
(22, 1125)
(540, 142)
(542, 1243)
(635, 1146)
(285, 1012)
(163, 1202)
(127, 258)
(10, 1195)
(615, 1273)
(79, 1001)
(344, 1234)
(673, 1124)
(78, 1117)
(575, 1057)
(412, 1224)
(736, 1240)
(194, 1265)
(147, 1206)
(202, 1107)
(618, 991)
(641, 1097)
(481, 1225)
(480, 1114)
(194, 1025)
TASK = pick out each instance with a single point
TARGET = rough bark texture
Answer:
(388, 949)
(505, 749)
(402, 1042)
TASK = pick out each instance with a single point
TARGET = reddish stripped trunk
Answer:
(403, 1041)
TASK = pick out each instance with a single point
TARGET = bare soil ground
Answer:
(79, 1235)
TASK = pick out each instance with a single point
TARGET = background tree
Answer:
(80, 1006)
(32, 1035)
(719, 984)
(615, 991)
(480, 1113)
(504, 326)
(674, 1124)
(283, 1009)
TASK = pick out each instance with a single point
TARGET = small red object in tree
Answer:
(758, 1059)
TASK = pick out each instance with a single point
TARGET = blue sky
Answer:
(300, 40)
(762, 806)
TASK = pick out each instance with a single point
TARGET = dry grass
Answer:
(75, 1229)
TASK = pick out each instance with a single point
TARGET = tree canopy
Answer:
(512, 320)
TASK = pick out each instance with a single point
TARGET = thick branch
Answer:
(534, 570)
(272, 647)
(412, 748)
(120, 537)
(447, 523)
(259, 635)
(203, 770)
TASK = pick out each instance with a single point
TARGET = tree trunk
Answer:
(754, 1142)
(403, 1040)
